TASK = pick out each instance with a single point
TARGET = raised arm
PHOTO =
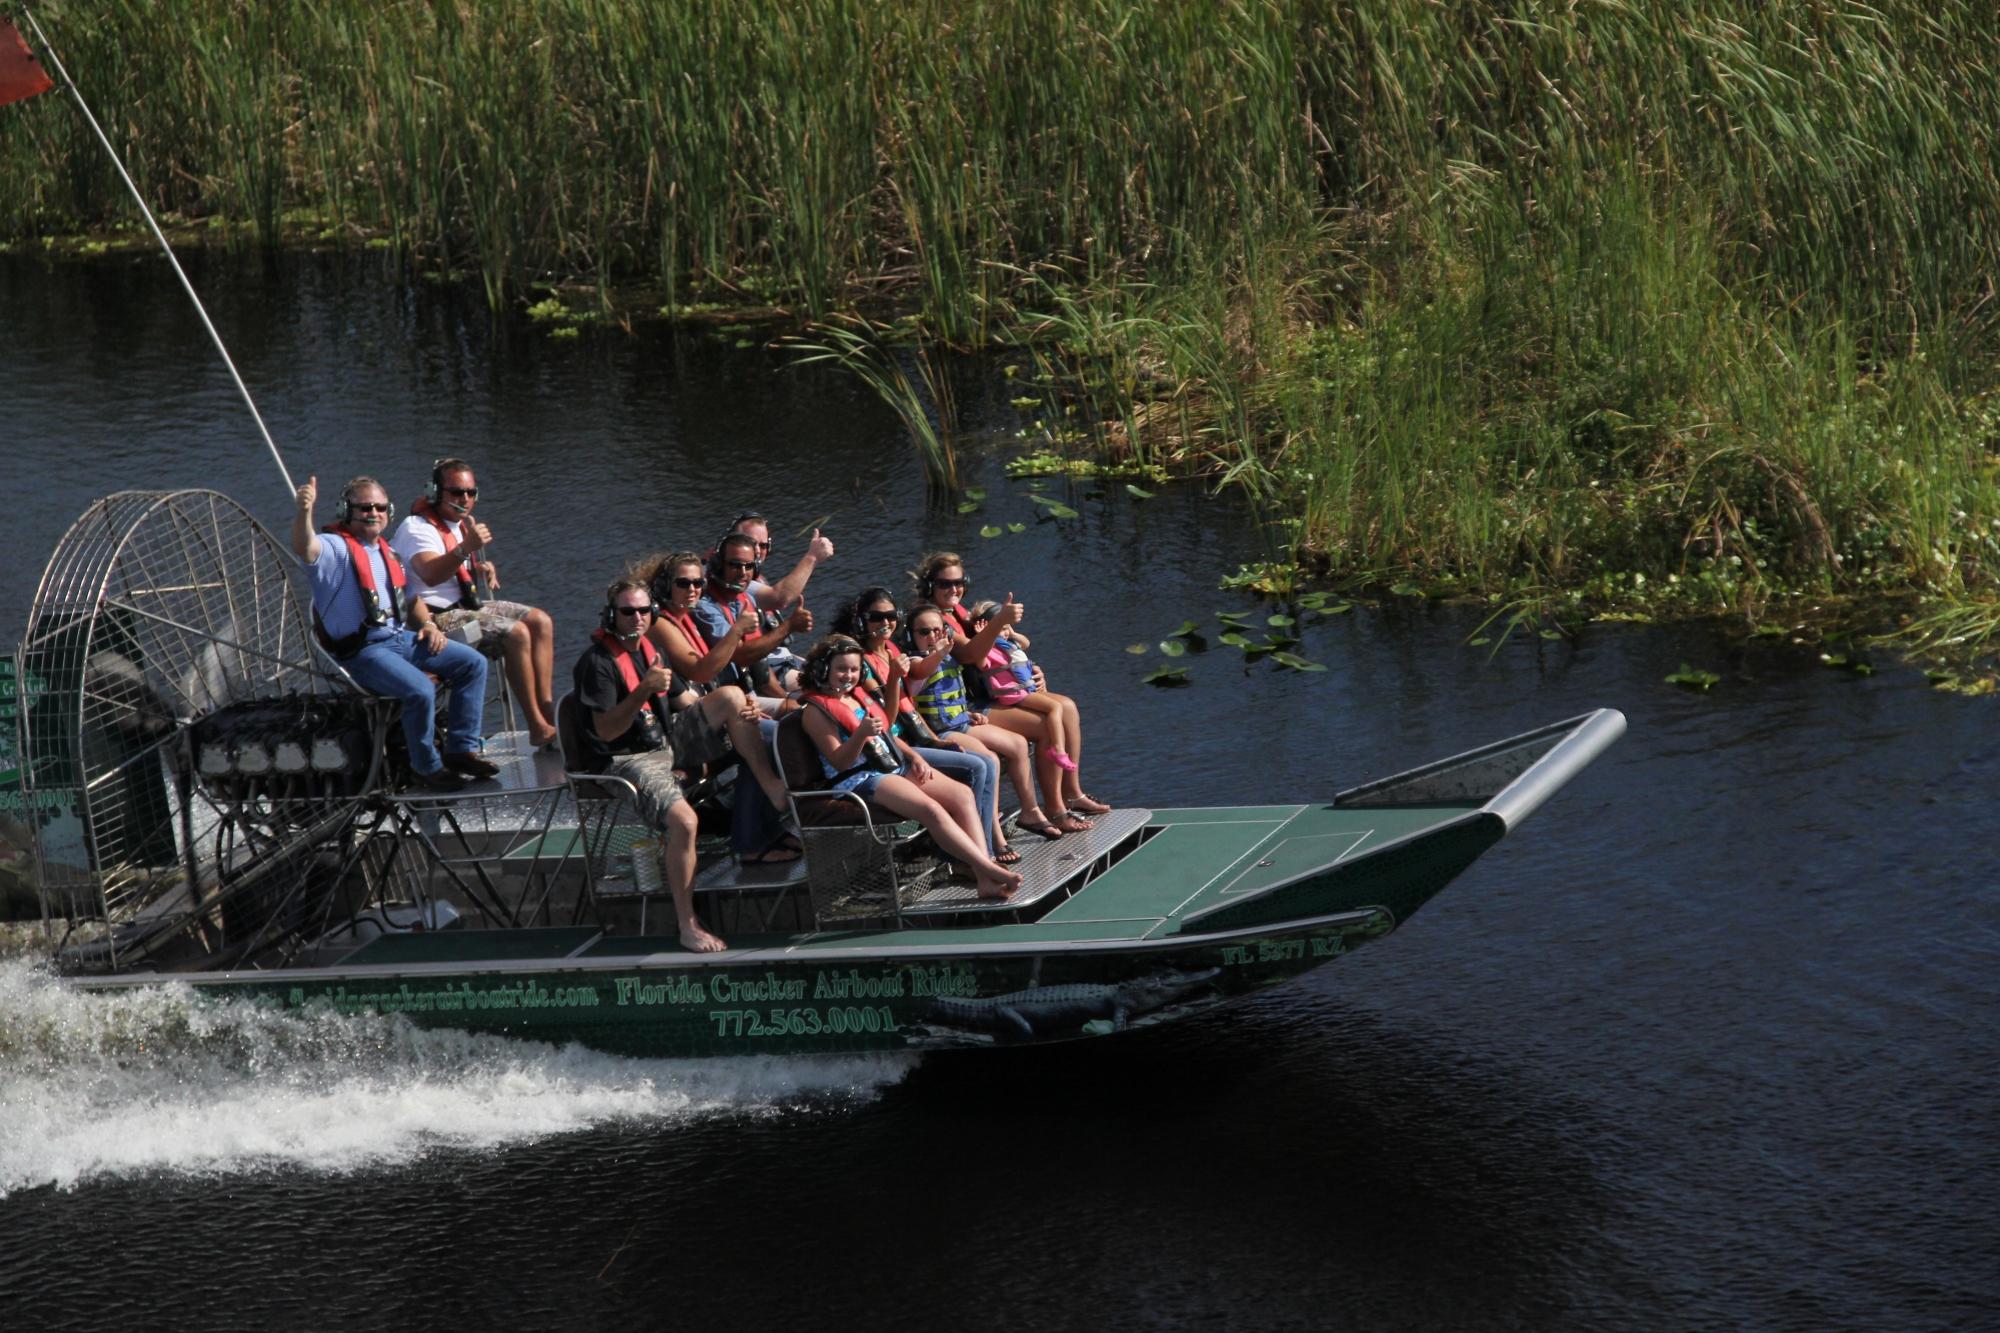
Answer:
(434, 564)
(793, 586)
(305, 541)
(973, 651)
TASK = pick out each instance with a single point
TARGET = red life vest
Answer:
(364, 572)
(874, 680)
(841, 710)
(687, 624)
(961, 617)
(628, 670)
(467, 597)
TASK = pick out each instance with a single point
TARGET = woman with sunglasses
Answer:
(870, 619)
(936, 682)
(731, 720)
(1050, 721)
(846, 726)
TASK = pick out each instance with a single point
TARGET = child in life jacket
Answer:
(1051, 720)
(937, 684)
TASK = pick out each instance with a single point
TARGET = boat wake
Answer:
(155, 1081)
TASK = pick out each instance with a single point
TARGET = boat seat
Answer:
(863, 863)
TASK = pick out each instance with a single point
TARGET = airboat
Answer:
(212, 803)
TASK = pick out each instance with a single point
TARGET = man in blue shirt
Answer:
(387, 642)
(731, 570)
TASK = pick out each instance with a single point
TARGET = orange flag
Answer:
(21, 75)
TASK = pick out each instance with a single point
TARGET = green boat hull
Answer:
(1192, 909)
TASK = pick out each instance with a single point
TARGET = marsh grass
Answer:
(1512, 297)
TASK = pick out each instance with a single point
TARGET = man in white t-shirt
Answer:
(442, 543)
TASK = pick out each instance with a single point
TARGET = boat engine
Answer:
(299, 747)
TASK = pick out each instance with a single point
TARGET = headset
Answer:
(818, 671)
(929, 583)
(435, 493)
(608, 617)
(347, 500)
(714, 570)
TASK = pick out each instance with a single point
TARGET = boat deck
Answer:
(1184, 861)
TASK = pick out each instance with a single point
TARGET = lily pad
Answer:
(1293, 662)
(1060, 511)
(974, 493)
(989, 531)
(1188, 629)
(967, 506)
(1281, 621)
(1017, 527)
(1693, 678)
(1169, 677)
(1235, 640)
(1137, 649)
(1173, 647)
(1407, 589)
(1138, 492)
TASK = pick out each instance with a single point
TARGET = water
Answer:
(1708, 1044)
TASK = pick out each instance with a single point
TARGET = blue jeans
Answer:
(754, 823)
(981, 772)
(394, 668)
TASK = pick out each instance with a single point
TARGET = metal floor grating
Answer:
(1045, 867)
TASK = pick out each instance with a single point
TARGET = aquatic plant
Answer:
(1695, 291)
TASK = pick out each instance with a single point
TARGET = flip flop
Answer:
(1045, 828)
(1006, 856)
(1089, 804)
(1075, 823)
(770, 856)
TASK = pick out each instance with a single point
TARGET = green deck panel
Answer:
(1175, 864)
(473, 946)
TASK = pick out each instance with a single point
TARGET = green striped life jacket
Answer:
(942, 699)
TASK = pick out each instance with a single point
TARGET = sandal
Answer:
(1088, 804)
(771, 856)
(1045, 828)
(1006, 856)
(1075, 823)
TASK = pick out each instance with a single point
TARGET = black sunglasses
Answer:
(368, 507)
(882, 617)
(739, 564)
(951, 583)
(927, 629)
(688, 583)
(469, 492)
(635, 610)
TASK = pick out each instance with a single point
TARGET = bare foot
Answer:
(696, 937)
(540, 736)
(998, 885)
(1070, 823)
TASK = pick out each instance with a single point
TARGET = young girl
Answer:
(842, 726)
(870, 619)
(937, 683)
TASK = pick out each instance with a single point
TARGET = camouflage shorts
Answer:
(495, 620)
(652, 776)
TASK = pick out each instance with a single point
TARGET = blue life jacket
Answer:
(942, 699)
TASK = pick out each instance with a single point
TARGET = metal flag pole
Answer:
(160, 236)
